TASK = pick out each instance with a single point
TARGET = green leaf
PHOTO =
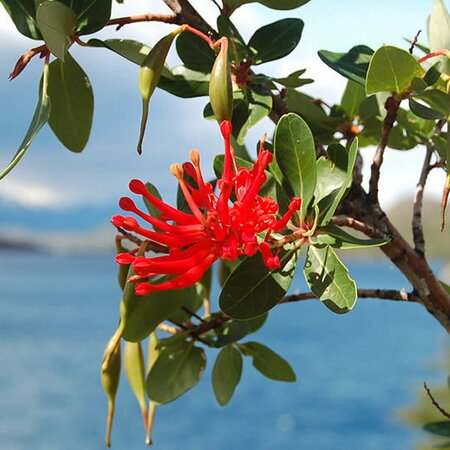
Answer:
(433, 74)
(184, 83)
(92, 15)
(237, 49)
(152, 209)
(439, 428)
(256, 323)
(352, 65)
(276, 40)
(23, 14)
(39, 119)
(352, 99)
(141, 314)
(249, 112)
(328, 279)
(423, 111)
(176, 370)
(269, 363)
(195, 53)
(252, 289)
(337, 195)
(295, 154)
(338, 238)
(273, 4)
(72, 103)
(231, 332)
(135, 371)
(56, 22)
(331, 174)
(392, 69)
(439, 31)
(293, 80)
(435, 100)
(226, 374)
(129, 49)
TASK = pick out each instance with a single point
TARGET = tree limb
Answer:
(166, 18)
(392, 106)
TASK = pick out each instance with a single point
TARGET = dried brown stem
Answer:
(414, 42)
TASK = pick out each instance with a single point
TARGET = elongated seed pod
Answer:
(110, 381)
(220, 87)
(149, 75)
(135, 371)
(153, 353)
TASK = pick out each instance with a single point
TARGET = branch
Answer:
(417, 226)
(358, 225)
(382, 294)
(166, 18)
(392, 106)
(435, 403)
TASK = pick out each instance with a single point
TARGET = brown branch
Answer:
(417, 226)
(414, 42)
(381, 294)
(392, 106)
(435, 403)
(358, 225)
(151, 246)
(169, 329)
(166, 18)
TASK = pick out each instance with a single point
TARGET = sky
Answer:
(51, 178)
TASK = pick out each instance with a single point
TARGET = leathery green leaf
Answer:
(328, 279)
(392, 69)
(56, 22)
(23, 14)
(269, 363)
(141, 314)
(295, 155)
(176, 370)
(252, 289)
(72, 101)
(276, 40)
(226, 374)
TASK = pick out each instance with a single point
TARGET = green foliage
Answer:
(226, 374)
(392, 69)
(56, 22)
(295, 155)
(252, 289)
(267, 362)
(439, 31)
(352, 64)
(328, 279)
(72, 102)
(276, 40)
(177, 369)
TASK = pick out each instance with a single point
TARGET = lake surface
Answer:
(354, 371)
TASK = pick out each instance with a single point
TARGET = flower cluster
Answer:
(234, 221)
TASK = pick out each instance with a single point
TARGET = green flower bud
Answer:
(220, 87)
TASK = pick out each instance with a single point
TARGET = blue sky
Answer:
(52, 178)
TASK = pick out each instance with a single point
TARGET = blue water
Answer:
(354, 371)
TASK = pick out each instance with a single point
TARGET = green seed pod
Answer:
(149, 75)
(135, 371)
(110, 382)
(220, 87)
(153, 353)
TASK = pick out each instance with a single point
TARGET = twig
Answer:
(392, 106)
(417, 226)
(382, 294)
(435, 403)
(193, 314)
(414, 42)
(166, 18)
(168, 329)
(442, 52)
(346, 221)
(151, 246)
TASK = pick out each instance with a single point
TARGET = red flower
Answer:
(224, 225)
